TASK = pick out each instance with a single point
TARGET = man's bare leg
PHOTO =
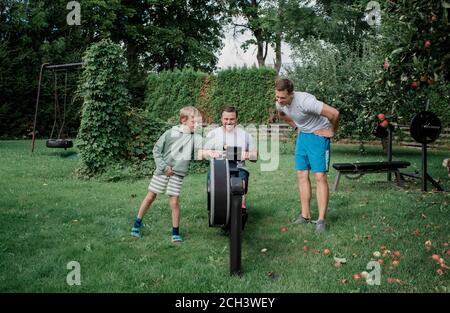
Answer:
(322, 194)
(304, 188)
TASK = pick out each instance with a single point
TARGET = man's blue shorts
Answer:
(312, 152)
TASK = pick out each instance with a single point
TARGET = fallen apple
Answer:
(377, 254)
(305, 248)
(395, 263)
(284, 229)
(327, 252)
(440, 271)
(357, 276)
(427, 44)
(414, 84)
(381, 117)
(395, 280)
(435, 257)
(396, 253)
(380, 261)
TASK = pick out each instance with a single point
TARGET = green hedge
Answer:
(249, 89)
(169, 91)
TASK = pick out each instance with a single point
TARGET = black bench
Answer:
(369, 167)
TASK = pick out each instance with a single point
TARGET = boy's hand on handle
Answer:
(326, 132)
(245, 155)
(213, 154)
(168, 171)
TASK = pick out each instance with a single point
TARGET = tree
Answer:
(273, 21)
(340, 23)
(414, 71)
(156, 34)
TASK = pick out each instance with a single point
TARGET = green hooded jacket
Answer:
(175, 149)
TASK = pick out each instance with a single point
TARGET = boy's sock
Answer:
(175, 231)
(137, 222)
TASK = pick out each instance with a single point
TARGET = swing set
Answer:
(59, 114)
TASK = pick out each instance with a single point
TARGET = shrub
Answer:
(169, 91)
(102, 137)
(251, 90)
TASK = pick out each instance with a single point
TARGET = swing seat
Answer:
(59, 143)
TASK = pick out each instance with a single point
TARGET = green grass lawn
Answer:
(49, 218)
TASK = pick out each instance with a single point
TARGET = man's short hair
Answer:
(284, 84)
(230, 109)
(188, 111)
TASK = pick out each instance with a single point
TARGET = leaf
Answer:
(340, 260)
(396, 51)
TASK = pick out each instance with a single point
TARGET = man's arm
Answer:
(206, 154)
(209, 150)
(287, 119)
(333, 116)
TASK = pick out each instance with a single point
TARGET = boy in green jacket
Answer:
(172, 153)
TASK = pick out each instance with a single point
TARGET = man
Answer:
(218, 139)
(315, 123)
(446, 165)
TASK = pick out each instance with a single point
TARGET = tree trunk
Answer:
(279, 35)
(260, 47)
(277, 64)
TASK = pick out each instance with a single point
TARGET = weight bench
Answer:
(369, 167)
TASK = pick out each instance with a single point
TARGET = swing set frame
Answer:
(60, 141)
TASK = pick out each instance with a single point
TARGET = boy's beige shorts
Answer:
(162, 184)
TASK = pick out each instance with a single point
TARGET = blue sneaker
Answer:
(136, 231)
(177, 239)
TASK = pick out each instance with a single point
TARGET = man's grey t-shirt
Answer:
(305, 110)
(217, 138)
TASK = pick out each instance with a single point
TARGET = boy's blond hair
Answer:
(188, 111)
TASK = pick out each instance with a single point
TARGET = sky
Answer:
(232, 55)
